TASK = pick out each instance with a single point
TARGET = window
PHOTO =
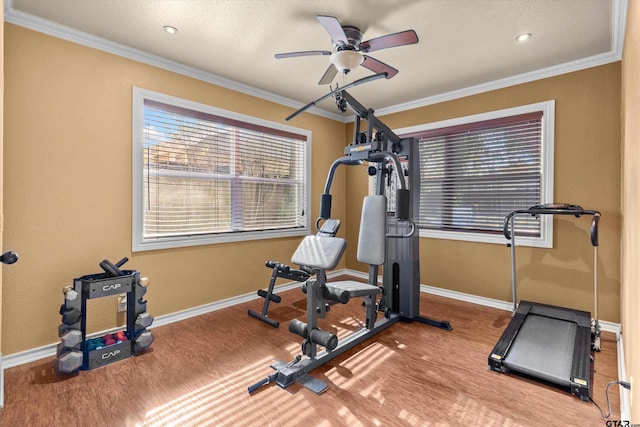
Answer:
(203, 175)
(476, 169)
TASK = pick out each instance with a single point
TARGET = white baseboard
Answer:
(625, 406)
(45, 351)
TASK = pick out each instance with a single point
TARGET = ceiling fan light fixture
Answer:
(523, 37)
(346, 60)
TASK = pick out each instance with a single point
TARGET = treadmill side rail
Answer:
(499, 352)
(496, 358)
(581, 367)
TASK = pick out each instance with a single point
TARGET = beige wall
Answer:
(587, 172)
(68, 195)
(630, 294)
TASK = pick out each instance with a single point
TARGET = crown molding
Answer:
(540, 74)
(44, 26)
(618, 26)
(618, 18)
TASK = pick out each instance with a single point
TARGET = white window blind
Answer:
(208, 176)
(474, 175)
(475, 170)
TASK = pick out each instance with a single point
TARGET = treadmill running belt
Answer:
(543, 348)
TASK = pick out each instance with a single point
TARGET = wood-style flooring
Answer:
(197, 371)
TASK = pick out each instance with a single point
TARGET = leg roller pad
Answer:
(299, 328)
(324, 338)
(317, 336)
(339, 295)
(332, 294)
(273, 297)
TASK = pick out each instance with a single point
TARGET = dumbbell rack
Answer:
(73, 352)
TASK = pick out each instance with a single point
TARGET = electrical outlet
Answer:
(122, 303)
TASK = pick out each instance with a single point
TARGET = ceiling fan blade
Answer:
(378, 66)
(390, 40)
(303, 53)
(333, 27)
(328, 75)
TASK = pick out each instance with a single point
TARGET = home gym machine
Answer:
(546, 342)
(384, 240)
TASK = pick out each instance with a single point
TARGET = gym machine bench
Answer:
(329, 228)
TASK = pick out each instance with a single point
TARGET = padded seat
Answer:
(319, 252)
(354, 289)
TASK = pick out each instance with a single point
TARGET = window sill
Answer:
(538, 242)
(210, 239)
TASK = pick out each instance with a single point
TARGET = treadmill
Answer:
(546, 342)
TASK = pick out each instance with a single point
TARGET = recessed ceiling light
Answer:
(523, 37)
(171, 30)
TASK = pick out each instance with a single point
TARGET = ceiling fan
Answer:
(350, 50)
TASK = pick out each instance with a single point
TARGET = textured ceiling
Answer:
(463, 44)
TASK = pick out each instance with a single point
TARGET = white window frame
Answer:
(139, 242)
(548, 125)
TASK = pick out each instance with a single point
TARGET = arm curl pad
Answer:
(340, 295)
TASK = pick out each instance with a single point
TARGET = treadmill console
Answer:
(557, 206)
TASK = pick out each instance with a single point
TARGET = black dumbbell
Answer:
(69, 315)
(113, 270)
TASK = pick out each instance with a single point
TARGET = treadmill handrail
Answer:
(574, 210)
(554, 209)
